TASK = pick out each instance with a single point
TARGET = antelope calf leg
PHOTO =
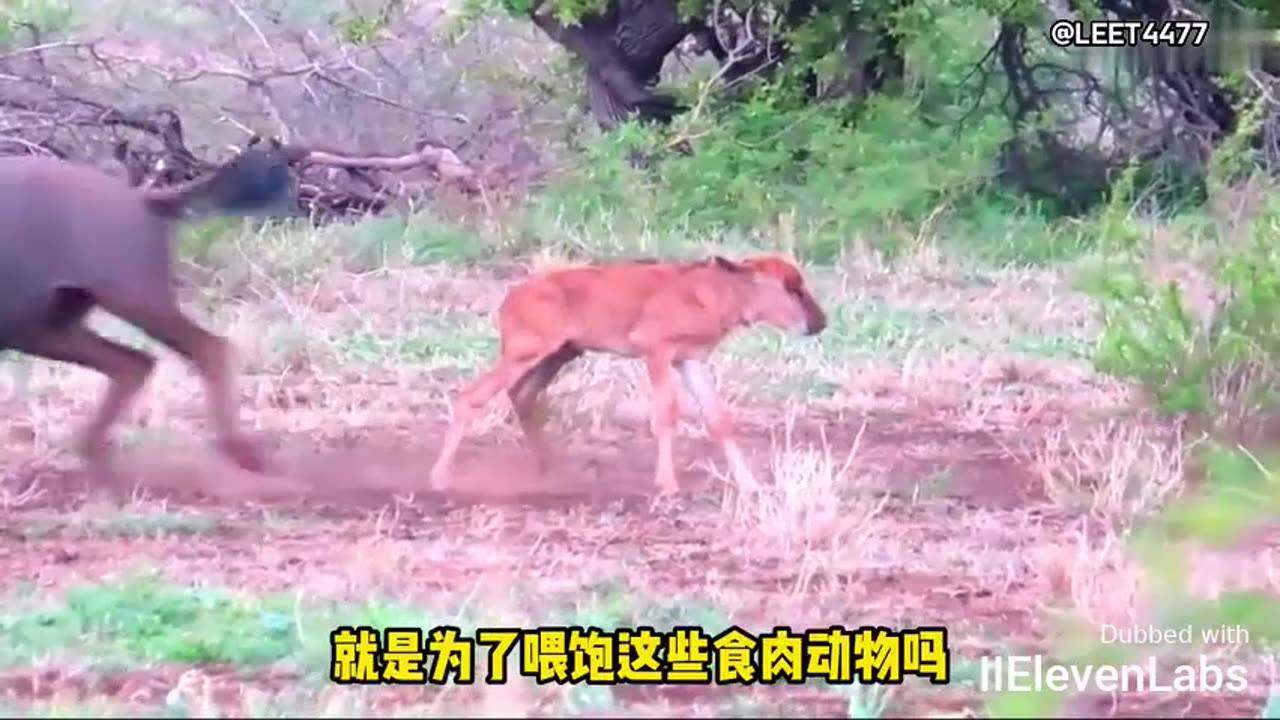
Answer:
(666, 413)
(719, 421)
(532, 414)
(468, 403)
(722, 431)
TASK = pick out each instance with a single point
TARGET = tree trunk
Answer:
(623, 49)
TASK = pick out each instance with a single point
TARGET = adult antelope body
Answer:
(73, 237)
(672, 315)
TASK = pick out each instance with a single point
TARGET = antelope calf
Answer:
(73, 237)
(672, 315)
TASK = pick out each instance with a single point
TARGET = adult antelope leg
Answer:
(211, 356)
(127, 371)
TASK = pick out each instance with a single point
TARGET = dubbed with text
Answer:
(1032, 673)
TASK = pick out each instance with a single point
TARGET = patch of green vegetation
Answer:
(1240, 495)
(123, 522)
(1004, 232)
(458, 341)
(751, 175)
(857, 328)
(417, 239)
(1054, 347)
(47, 18)
(778, 383)
(144, 619)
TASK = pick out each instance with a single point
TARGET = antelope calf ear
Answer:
(726, 264)
(770, 283)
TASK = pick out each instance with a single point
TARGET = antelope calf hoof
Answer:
(245, 453)
(544, 465)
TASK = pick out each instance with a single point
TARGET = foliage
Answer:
(819, 42)
(44, 17)
(1241, 495)
(754, 166)
(362, 28)
(1213, 360)
(1204, 351)
(1215, 365)
(839, 173)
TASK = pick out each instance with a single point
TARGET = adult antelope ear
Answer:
(731, 266)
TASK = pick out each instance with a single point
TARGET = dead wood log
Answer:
(329, 182)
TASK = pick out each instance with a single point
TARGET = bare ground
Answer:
(960, 539)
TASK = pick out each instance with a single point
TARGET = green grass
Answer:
(144, 620)
(860, 330)
(464, 342)
(907, 214)
(121, 522)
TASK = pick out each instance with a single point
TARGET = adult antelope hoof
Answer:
(102, 470)
(100, 466)
(247, 454)
(544, 464)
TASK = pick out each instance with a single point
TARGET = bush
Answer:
(1217, 363)
(763, 162)
(1241, 495)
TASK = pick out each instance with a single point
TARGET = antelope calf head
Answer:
(777, 295)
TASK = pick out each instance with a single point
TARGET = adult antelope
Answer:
(73, 237)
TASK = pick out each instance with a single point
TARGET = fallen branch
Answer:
(440, 160)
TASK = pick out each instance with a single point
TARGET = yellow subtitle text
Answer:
(364, 655)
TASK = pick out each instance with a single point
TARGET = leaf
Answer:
(1032, 704)
(1254, 611)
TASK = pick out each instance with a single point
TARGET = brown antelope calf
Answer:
(73, 237)
(673, 315)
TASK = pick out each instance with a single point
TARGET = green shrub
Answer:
(1218, 364)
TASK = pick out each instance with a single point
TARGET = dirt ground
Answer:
(599, 502)
(916, 503)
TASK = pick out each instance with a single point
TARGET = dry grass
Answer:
(1119, 470)
(924, 381)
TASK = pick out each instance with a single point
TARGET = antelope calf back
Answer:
(671, 315)
(73, 237)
